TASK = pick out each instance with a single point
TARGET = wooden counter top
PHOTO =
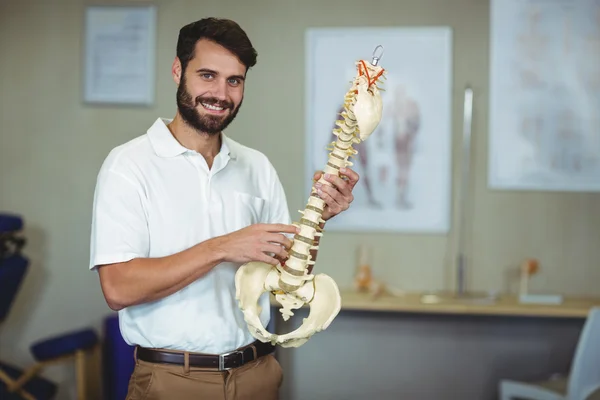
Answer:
(504, 305)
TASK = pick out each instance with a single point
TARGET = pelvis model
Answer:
(292, 283)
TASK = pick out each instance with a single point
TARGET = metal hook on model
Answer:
(377, 57)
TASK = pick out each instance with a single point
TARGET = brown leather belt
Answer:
(222, 362)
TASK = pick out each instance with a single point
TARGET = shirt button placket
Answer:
(208, 190)
(202, 177)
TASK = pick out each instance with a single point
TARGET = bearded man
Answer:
(176, 212)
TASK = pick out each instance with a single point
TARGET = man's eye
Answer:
(207, 76)
(234, 82)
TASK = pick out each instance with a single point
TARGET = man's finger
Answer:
(330, 201)
(317, 175)
(277, 250)
(280, 239)
(281, 260)
(268, 260)
(342, 185)
(352, 176)
(283, 228)
(331, 192)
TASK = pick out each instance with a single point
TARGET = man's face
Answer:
(211, 89)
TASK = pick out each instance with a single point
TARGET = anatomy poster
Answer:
(545, 95)
(405, 165)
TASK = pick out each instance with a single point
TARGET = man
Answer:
(176, 212)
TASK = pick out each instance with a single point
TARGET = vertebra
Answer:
(292, 283)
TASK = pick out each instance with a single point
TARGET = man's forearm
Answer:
(144, 280)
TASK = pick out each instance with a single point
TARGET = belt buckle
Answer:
(224, 355)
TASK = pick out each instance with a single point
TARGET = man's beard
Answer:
(210, 124)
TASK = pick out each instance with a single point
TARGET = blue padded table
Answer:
(118, 357)
(10, 223)
(65, 344)
(11, 242)
(12, 272)
(13, 269)
(38, 387)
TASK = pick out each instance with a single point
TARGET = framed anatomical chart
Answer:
(545, 95)
(120, 51)
(405, 166)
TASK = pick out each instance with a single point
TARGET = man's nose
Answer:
(219, 89)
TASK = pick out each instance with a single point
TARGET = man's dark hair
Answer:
(224, 32)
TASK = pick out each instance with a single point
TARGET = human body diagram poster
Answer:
(545, 95)
(405, 165)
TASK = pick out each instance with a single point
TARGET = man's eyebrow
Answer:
(207, 71)
(210, 71)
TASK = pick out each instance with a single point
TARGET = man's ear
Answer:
(176, 70)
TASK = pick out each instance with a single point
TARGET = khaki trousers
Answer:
(258, 379)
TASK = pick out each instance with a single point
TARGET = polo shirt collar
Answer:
(165, 145)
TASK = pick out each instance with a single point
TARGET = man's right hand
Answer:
(255, 242)
(142, 280)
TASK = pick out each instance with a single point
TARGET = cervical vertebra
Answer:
(291, 283)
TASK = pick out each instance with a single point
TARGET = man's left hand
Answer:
(338, 195)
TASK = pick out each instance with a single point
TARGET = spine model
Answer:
(292, 283)
(296, 271)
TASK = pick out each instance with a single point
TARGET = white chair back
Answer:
(584, 377)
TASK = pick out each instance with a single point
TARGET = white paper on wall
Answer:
(120, 48)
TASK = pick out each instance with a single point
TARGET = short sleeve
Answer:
(119, 224)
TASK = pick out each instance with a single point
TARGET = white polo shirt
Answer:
(154, 198)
